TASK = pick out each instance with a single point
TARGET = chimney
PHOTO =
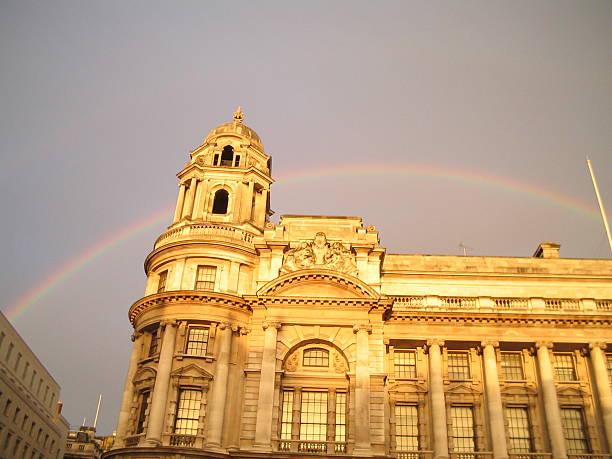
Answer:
(547, 250)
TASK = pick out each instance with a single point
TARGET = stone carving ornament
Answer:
(319, 253)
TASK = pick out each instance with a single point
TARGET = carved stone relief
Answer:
(319, 253)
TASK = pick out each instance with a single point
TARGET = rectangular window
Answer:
(18, 361)
(205, 278)
(573, 429)
(161, 284)
(315, 358)
(404, 363)
(7, 440)
(16, 415)
(512, 366)
(518, 429)
(188, 412)
(287, 416)
(458, 365)
(7, 407)
(564, 367)
(406, 428)
(154, 345)
(313, 416)
(25, 370)
(197, 341)
(462, 430)
(142, 412)
(340, 434)
(609, 362)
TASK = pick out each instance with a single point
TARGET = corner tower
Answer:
(227, 180)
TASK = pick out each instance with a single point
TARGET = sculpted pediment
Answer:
(320, 254)
(461, 388)
(191, 371)
(318, 283)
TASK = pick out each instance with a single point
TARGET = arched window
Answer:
(220, 202)
(227, 156)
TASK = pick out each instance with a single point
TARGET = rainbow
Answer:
(25, 303)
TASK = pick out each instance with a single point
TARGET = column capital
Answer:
(489, 342)
(171, 322)
(546, 344)
(270, 324)
(135, 336)
(600, 344)
(434, 342)
(362, 327)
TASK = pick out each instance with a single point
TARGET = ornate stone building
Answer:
(256, 339)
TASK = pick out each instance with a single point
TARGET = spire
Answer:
(238, 115)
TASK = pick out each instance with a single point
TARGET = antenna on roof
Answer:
(601, 207)
(465, 248)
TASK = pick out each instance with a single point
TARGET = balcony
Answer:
(334, 448)
(530, 455)
(472, 455)
(206, 231)
(412, 454)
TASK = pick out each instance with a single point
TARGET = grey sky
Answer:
(101, 102)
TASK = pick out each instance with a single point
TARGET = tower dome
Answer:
(235, 128)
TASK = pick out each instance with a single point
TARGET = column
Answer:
(219, 395)
(551, 404)
(178, 212)
(128, 391)
(159, 397)
(494, 402)
(362, 391)
(438, 403)
(263, 423)
(602, 382)
(188, 208)
(249, 199)
(197, 205)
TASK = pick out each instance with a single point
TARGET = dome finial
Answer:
(238, 115)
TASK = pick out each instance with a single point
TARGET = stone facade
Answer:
(306, 337)
(31, 424)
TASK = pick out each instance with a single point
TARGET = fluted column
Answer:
(216, 409)
(438, 403)
(494, 401)
(159, 397)
(603, 387)
(178, 212)
(188, 208)
(128, 391)
(363, 444)
(263, 423)
(551, 403)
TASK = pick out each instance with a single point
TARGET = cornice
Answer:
(186, 296)
(332, 302)
(492, 275)
(479, 318)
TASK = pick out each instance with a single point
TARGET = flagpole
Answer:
(601, 207)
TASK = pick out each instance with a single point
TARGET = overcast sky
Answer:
(102, 101)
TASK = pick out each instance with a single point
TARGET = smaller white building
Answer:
(31, 424)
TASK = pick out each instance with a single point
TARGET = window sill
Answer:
(207, 358)
(154, 358)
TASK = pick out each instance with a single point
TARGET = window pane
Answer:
(142, 412)
(462, 430)
(573, 429)
(153, 347)
(518, 429)
(405, 364)
(316, 358)
(161, 285)
(512, 366)
(197, 341)
(458, 365)
(188, 412)
(609, 361)
(287, 415)
(406, 428)
(205, 278)
(313, 419)
(564, 367)
(340, 416)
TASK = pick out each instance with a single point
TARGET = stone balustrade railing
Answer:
(207, 231)
(411, 454)
(312, 447)
(484, 304)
